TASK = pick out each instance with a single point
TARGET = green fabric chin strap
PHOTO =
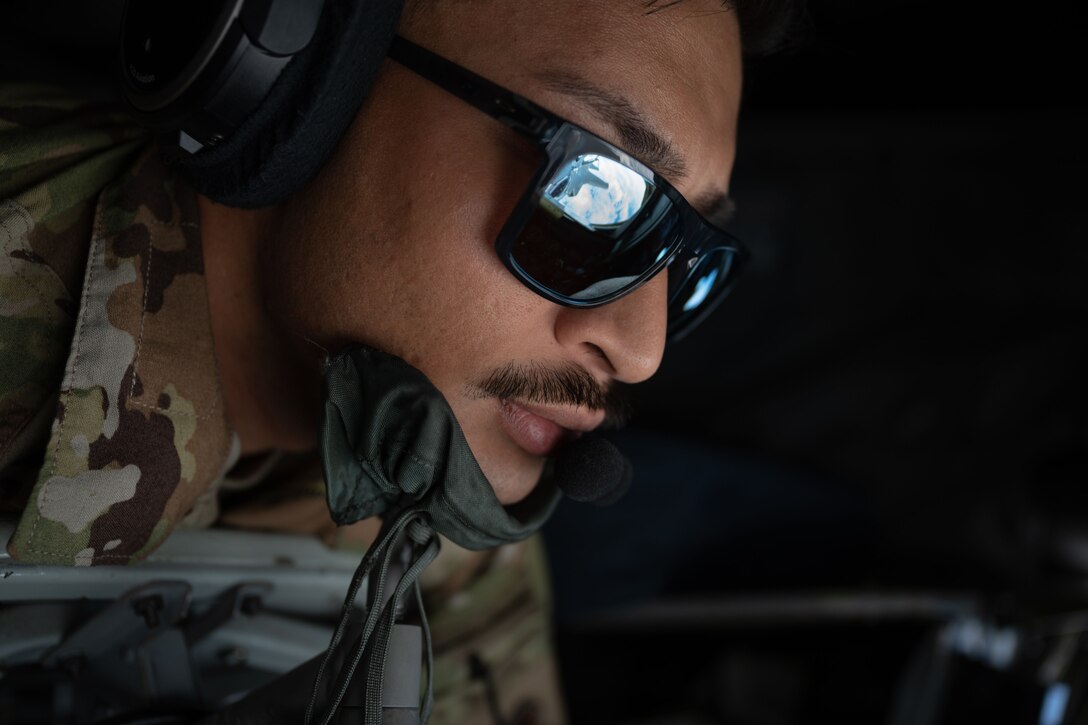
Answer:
(389, 440)
(391, 444)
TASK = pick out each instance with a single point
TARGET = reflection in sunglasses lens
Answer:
(597, 192)
(597, 228)
(696, 293)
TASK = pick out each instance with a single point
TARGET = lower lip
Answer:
(539, 436)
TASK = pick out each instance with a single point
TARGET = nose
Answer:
(625, 339)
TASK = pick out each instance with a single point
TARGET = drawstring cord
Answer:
(378, 627)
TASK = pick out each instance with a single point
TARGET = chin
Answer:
(512, 482)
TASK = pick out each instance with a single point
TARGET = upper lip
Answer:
(575, 419)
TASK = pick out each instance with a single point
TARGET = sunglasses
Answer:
(594, 223)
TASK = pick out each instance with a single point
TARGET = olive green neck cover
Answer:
(389, 441)
(390, 445)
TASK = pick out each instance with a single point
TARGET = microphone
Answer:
(592, 470)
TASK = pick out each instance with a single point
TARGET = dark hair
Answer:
(765, 25)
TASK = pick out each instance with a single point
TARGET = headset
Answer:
(251, 96)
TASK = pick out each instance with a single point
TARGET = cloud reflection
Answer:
(597, 191)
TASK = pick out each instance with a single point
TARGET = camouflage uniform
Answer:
(112, 423)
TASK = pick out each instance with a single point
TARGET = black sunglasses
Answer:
(594, 223)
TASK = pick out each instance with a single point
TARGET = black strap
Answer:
(372, 643)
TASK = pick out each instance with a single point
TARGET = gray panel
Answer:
(307, 577)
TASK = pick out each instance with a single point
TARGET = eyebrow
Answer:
(638, 136)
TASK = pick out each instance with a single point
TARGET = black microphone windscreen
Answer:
(593, 470)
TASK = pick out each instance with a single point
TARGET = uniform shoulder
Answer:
(60, 146)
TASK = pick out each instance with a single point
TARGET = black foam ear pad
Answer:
(281, 146)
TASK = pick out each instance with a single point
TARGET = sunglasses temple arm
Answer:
(515, 111)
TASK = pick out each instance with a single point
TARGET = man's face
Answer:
(393, 243)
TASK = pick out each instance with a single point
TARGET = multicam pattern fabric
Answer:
(492, 642)
(51, 169)
(138, 430)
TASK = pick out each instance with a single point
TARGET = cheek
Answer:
(443, 266)
(409, 264)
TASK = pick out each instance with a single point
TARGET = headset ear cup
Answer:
(281, 146)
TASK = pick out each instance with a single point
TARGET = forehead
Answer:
(677, 65)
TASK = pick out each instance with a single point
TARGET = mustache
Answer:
(558, 385)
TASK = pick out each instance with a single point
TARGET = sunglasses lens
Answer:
(597, 227)
(696, 285)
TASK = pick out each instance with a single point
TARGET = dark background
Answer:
(894, 397)
(911, 181)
